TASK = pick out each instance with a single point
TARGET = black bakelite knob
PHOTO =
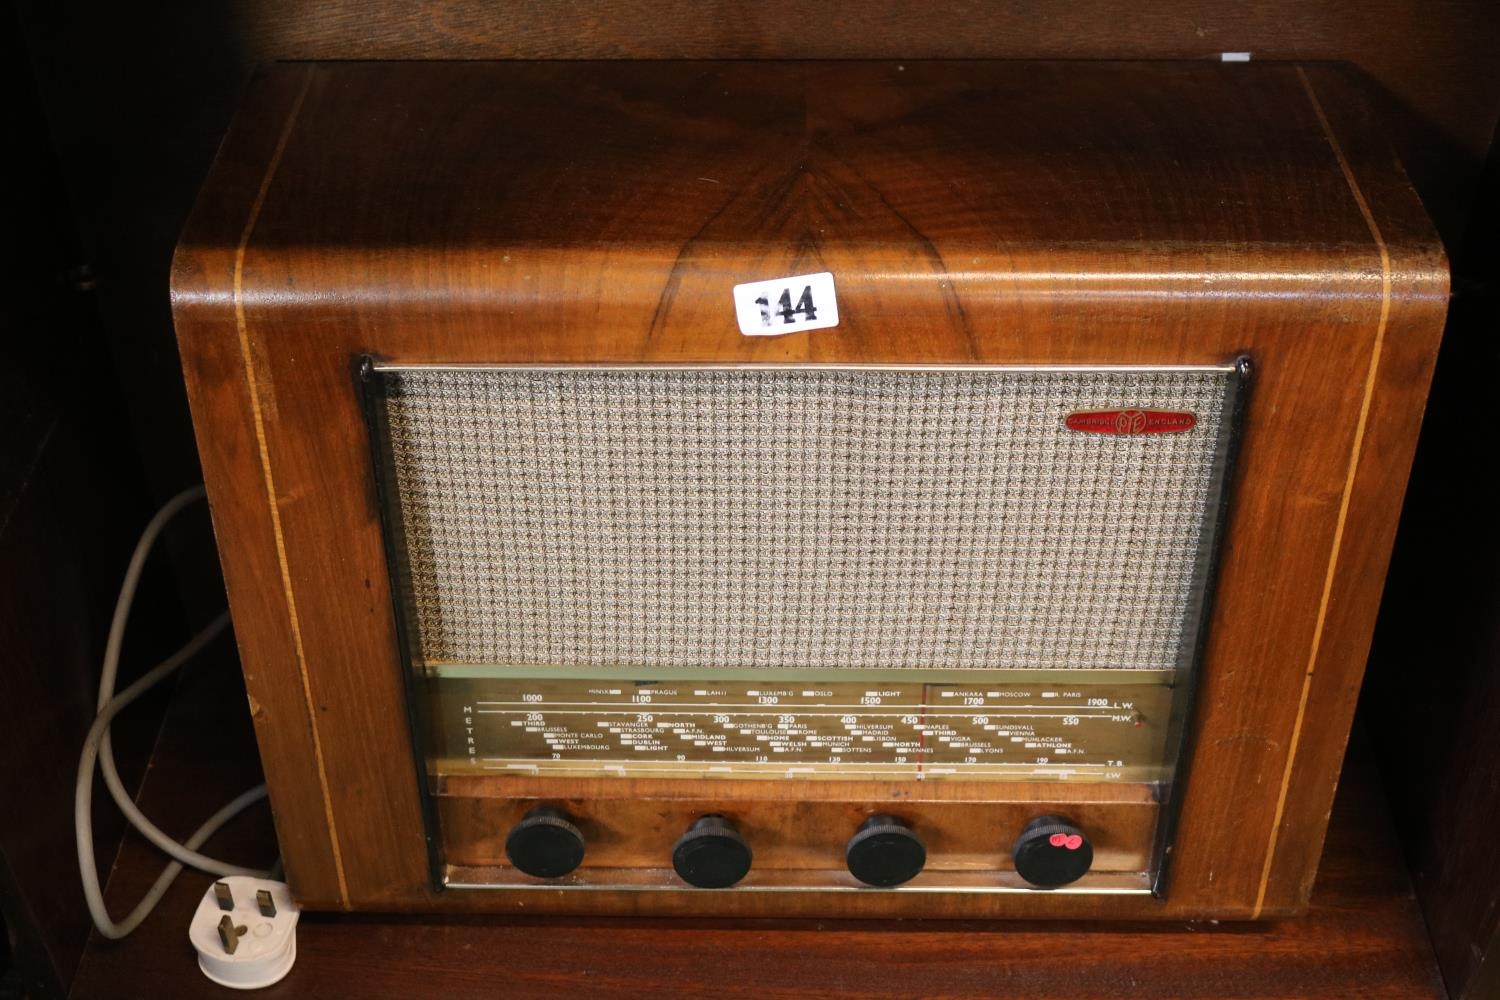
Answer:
(1052, 852)
(545, 843)
(884, 851)
(712, 854)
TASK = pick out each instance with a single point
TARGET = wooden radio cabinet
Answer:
(1083, 368)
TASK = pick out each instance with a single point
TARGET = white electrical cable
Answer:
(97, 748)
(111, 669)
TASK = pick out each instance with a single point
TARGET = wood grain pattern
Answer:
(284, 726)
(1362, 937)
(1406, 364)
(1170, 214)
(1430, 63)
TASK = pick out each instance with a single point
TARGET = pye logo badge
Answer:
(1131, 422)
(786, 305)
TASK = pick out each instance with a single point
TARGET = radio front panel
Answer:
(772, 489)
(793, 574)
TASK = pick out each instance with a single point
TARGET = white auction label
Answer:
(786, 305)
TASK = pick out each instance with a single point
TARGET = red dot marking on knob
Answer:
(1058, 840)
(1073, 843)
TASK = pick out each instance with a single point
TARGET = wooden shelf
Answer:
(1363, 938)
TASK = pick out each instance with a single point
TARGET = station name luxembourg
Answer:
(1131, 421)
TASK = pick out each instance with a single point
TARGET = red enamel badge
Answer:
(1131, 421)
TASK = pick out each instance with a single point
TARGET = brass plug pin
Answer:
(229, 934)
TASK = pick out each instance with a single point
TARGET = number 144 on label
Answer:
(786, 305)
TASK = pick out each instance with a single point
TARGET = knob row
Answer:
(884, 851)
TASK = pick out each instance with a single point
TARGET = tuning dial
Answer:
(545, 843)
(1052, 852)
(884, 851)
(712, 854)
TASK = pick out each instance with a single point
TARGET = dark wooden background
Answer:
(1432, 692)
(118, 109)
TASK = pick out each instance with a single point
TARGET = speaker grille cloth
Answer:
(797, 517)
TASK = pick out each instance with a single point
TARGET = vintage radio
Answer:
(805, 488)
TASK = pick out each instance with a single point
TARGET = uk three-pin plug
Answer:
(245, 931)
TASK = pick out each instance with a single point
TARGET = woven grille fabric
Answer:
(797, 517)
